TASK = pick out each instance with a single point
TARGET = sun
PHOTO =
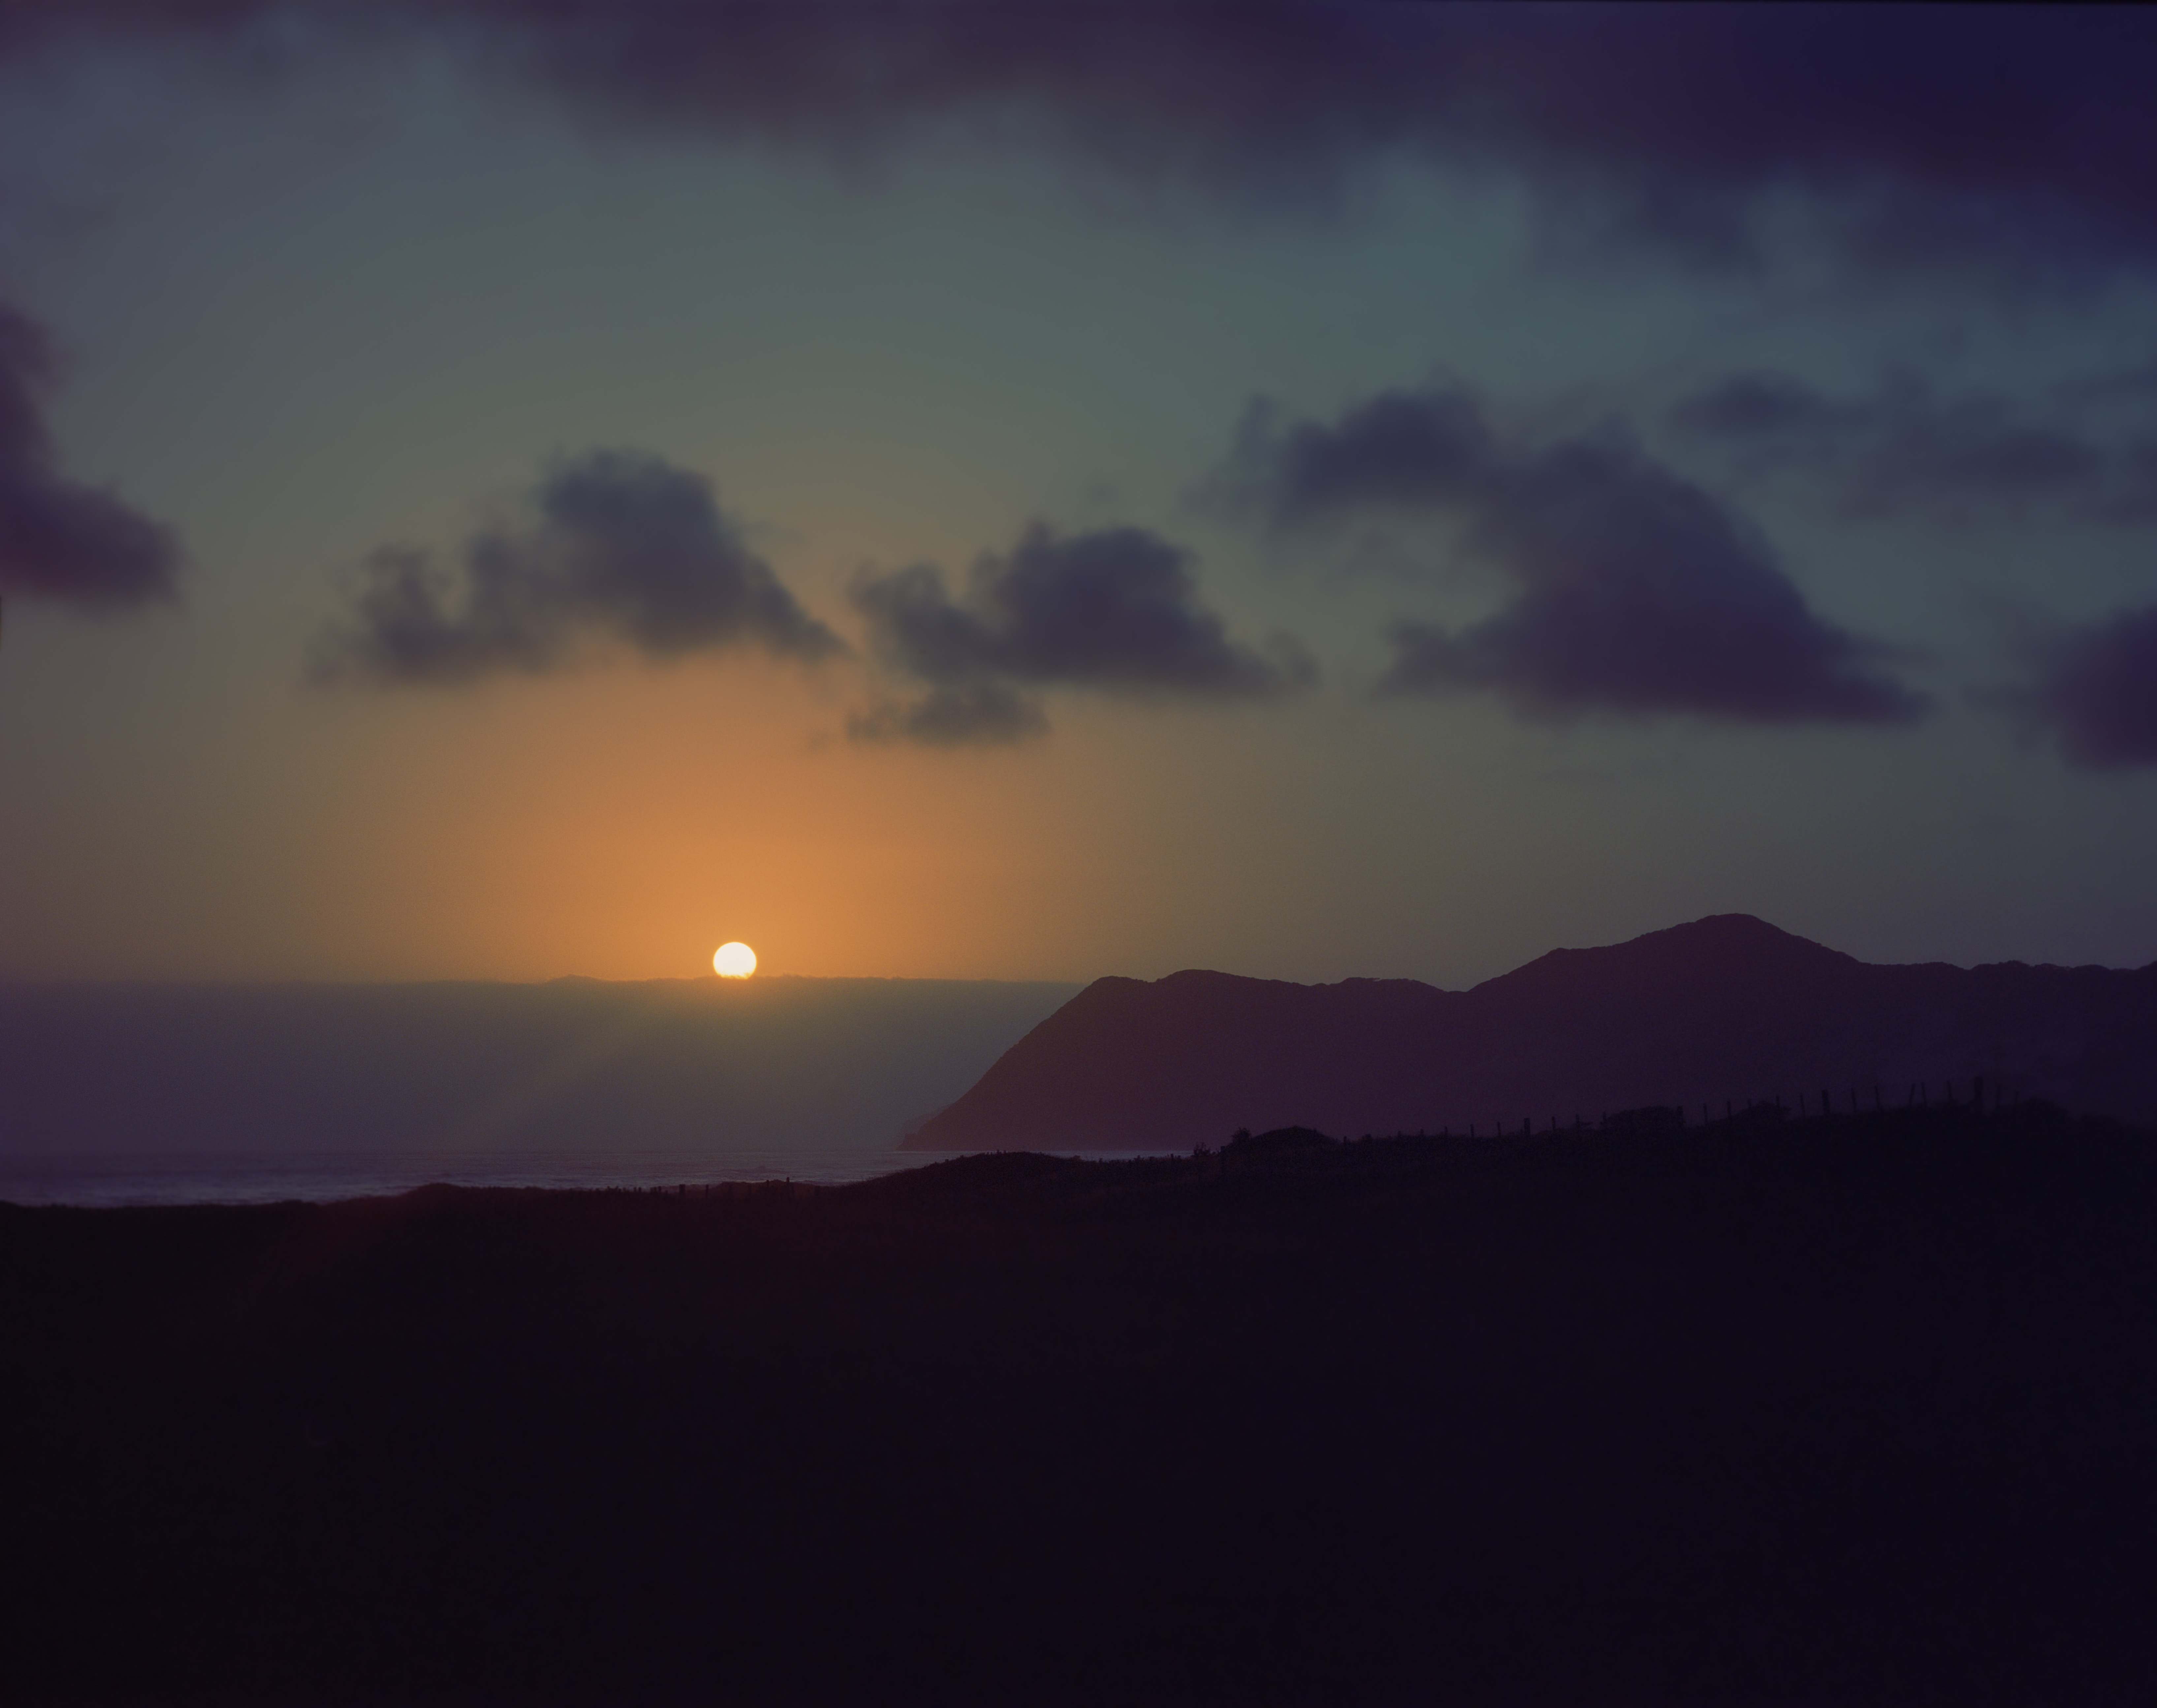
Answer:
(734, 960)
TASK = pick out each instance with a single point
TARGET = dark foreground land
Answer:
(1859, 1412)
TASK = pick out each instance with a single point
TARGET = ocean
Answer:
(116, 1178)
(246, 1094)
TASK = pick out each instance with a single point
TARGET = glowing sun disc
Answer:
(734, 960)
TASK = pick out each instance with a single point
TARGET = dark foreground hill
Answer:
(1845, 1413)
(1723, 1011)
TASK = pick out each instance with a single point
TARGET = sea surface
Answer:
(116, 1178)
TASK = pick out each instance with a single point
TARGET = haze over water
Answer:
(249, 1094)
(106, 1180)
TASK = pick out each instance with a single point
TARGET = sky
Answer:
(503, 489)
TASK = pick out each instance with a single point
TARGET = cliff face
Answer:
(1727, 1009)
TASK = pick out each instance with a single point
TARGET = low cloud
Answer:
(2095, 690)
(1115, 611)
(982, 714)
(1901, 449)
(620, 547)
(61, 540)
(1634, 592)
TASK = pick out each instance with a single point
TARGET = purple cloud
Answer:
(1901, 449)
(1115, 610)
(622, 546)
(980, 714)
(2015, 134)
(2096, 689)
(1635, 592)
(61, 540)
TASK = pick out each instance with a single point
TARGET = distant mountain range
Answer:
(1724, 1011)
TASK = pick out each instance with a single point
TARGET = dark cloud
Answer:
(1428, 449)
(1901, 448)
(61, 540)
(1115, 610)
(621, 546)
(1402, 450)
(978, 714)
(2017, 134)
(2096, 689)
(1635, 590)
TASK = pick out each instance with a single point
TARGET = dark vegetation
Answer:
(1777, 1411)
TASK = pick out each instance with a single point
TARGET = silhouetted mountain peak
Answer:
(1744, 933)
(1707, 1014)
(1713, 951)
(1205, 978)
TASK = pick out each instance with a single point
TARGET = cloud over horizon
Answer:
(61, 540)
(1115, 610)
(1917, 134)
(621, 546)
(980, 714)
(2095, 690)
(1634, 591)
